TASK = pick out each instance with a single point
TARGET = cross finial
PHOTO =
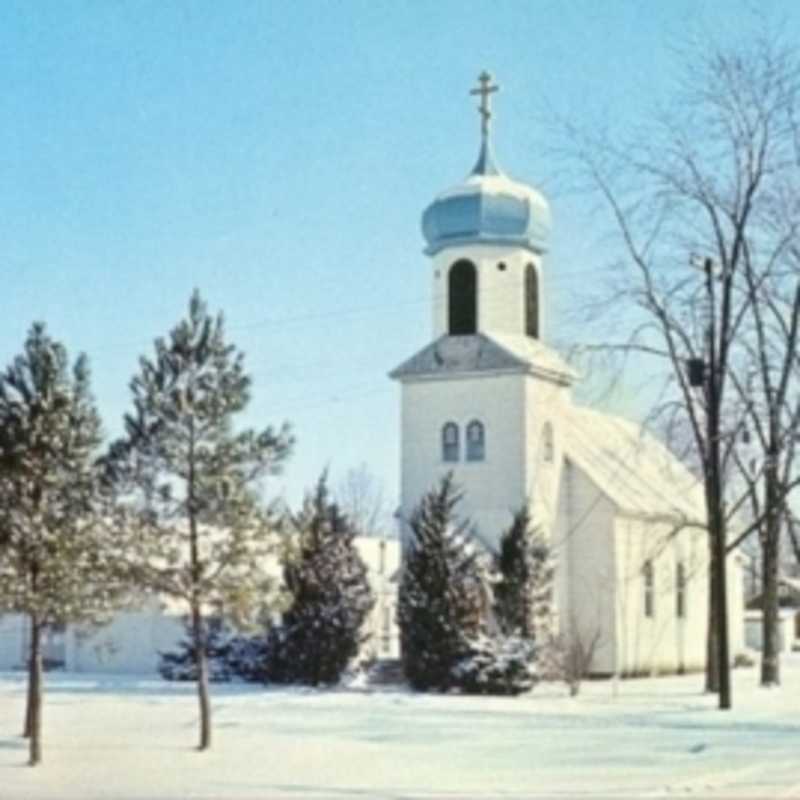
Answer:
(485, 90)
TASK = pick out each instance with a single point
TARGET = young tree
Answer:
(190, 483)
(57, 562)
(440, 603)
(322, 630)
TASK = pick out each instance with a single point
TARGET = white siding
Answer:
(12, 637)
(493, 488)
(382, 558)
(129, 644)
(662, 642)
(586, 572)
(546, 403)
(501, 293)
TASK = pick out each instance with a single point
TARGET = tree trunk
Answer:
(198, 629)
(28, 725)
(770, 657)
(35, 693)
(715, 504)
(712, 640)
(201, 662)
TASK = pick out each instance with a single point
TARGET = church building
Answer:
(488, 400)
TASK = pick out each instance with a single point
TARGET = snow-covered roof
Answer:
(636, 471)
(450, 355)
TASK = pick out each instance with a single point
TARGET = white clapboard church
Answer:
(489, 400)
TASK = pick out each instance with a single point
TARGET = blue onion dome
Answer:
(487, 207)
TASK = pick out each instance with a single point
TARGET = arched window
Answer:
(450, 442)
(476, 441)
(649, 598)
(547, 443)
(462, 293)
(531, 301)
(680, 591)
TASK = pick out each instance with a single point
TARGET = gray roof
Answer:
(452, 355)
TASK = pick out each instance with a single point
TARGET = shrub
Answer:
(499, 665)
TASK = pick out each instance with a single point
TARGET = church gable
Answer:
(453, 355)
(450, 355)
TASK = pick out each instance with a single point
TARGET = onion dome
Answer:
(488, 207)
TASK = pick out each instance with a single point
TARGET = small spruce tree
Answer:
(322, 630)
(190, 484)
(180, 664)
(523, 595)
(439, 603)
(58, 562)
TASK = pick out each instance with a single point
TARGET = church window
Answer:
(463, 298)
(649, 599)
(531, 301)
(547, 443)
(386, 632)
(476, 441)
(450, 442)
(680, 591)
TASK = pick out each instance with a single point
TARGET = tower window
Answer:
(476, 441)
(649, 599)
(680, 591)
(463, 299)
(450, 442)
(501, 266)
(547, 443)
(531, 301)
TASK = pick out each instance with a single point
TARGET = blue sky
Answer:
(278, 157)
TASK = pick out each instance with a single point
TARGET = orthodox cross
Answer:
(485, 89)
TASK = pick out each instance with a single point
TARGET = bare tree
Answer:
(713, 184)
(771, 398)
(360, 496)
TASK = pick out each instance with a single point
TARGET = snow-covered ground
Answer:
(130, 738)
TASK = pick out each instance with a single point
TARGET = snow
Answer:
(115, 737)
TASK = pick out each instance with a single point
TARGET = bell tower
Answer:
(475, 400)
(487, 237)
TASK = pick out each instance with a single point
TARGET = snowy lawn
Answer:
(110, 737)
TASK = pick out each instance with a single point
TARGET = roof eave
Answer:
(471, 240)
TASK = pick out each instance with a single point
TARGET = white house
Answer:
(131, 642)
(489, 401)
(788, 617)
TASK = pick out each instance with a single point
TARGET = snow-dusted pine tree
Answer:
(191, 484)
(523, 595)
(440, 603)
(58, 559)
(322, 630)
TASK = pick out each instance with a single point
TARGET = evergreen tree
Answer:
(190, 484)
(440, 604)
(57, 562)
(180, 664)
(321, 631)
(523, 595)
